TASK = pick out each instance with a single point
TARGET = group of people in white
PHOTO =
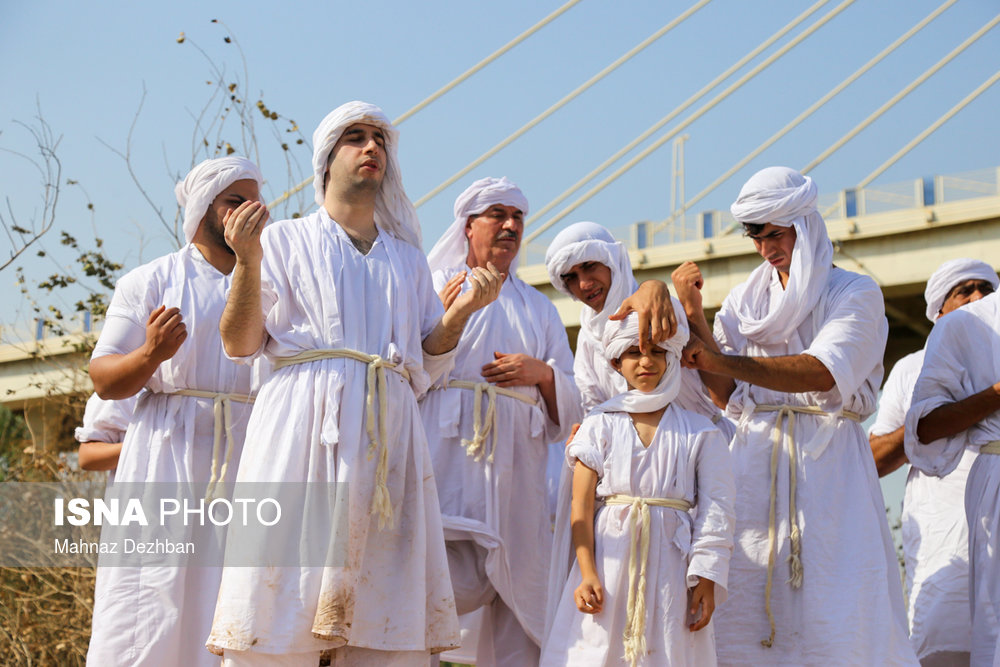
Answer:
(719, 501)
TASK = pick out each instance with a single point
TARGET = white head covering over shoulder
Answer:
(196, 192)
(620, 336)
(590, 242)
(393, 211)
(783, 197)
(950, 274)
(452, 249)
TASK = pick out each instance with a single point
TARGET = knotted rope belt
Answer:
(381, 502)
(635, 613)
(991, 448)
(223, 416)
(794, 534)
(481, 427)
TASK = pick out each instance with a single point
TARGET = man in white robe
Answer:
(935, 538)
(342, 302)
(489, 424)
(797, 356)
(161, 334)
(956, 408)
(101, 433)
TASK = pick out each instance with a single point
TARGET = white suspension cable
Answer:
(676, 112)
(805, 114)
(562, 102)
(901, 94)
(690, 119)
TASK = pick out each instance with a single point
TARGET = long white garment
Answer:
(392, 592)
(935, 534)
(162, 615)
(849, 609)
(688, 459)
(501, 504)
(105, 421)
(963, 358)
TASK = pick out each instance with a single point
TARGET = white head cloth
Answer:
(393, 211)
(783, 197)
(950, 274)
(204, 183)
(452, 249)
(590, 242)
(620, 336)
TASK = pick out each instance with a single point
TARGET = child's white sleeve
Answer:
(712, 540)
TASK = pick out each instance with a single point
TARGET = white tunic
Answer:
(162, 615)
(935, 535)
(849, 609)
(105, 421)
(389, 588)
(688, 459)
(963, 358)
(501, 504)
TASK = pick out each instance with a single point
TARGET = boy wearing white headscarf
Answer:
(161, 333)
(651, 568)
(797, 356)
(342, 302)
(489, 424)
(935, 538)
(955, 409)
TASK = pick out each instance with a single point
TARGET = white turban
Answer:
(589, 242)
(620, 336)
(950, 274)
(452, 249)
(204, 183)
(393, 211)
(783, 197)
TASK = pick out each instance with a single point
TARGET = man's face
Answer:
(775, 244)
(358, 159)
(589, 282)
(494, 236)
(965, 292)
(227, 200)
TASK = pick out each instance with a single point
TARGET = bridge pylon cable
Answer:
(576, 92)
(455, 82)
(891, 102)
(774, 138)
(690, 119)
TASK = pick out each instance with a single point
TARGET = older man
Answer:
(797, 356)
(161, 333)
(342, 302)
(488, 425)
(956, 409)
(935, 538)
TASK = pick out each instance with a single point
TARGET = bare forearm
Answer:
(445, 336)
(242, 322)
(952, 418)
(888, 452)
(720, 388)
(792, 374)
(117, 376)
(547, 388)
(95, 455)
(582, 516)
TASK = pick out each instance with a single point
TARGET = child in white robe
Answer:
(653, 551)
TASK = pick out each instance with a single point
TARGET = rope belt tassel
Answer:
(634, 636)
(481, 427)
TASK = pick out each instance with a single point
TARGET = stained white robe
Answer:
(688, 459)
(502, 505)
(963, 358)
(935, 534)
(849, 609)
(162, 615)
(393, 591)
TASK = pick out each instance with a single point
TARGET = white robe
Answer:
(162, 615)
(688, 459)
(849, 609)
(935, 535)
(392, 591)
(106, 421)
(500, 505)
(963, 358)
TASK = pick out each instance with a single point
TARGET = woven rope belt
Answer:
(223, 416)
(787, 412)
(991, 448)
(635, 613)
(376, 385)
(481, 428)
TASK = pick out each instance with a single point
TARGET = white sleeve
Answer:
(895, 399)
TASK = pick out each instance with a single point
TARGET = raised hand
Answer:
(165, 331)
(652, 303)
(452, 289)
(688, 282)
(244, 225)
(484, 288)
